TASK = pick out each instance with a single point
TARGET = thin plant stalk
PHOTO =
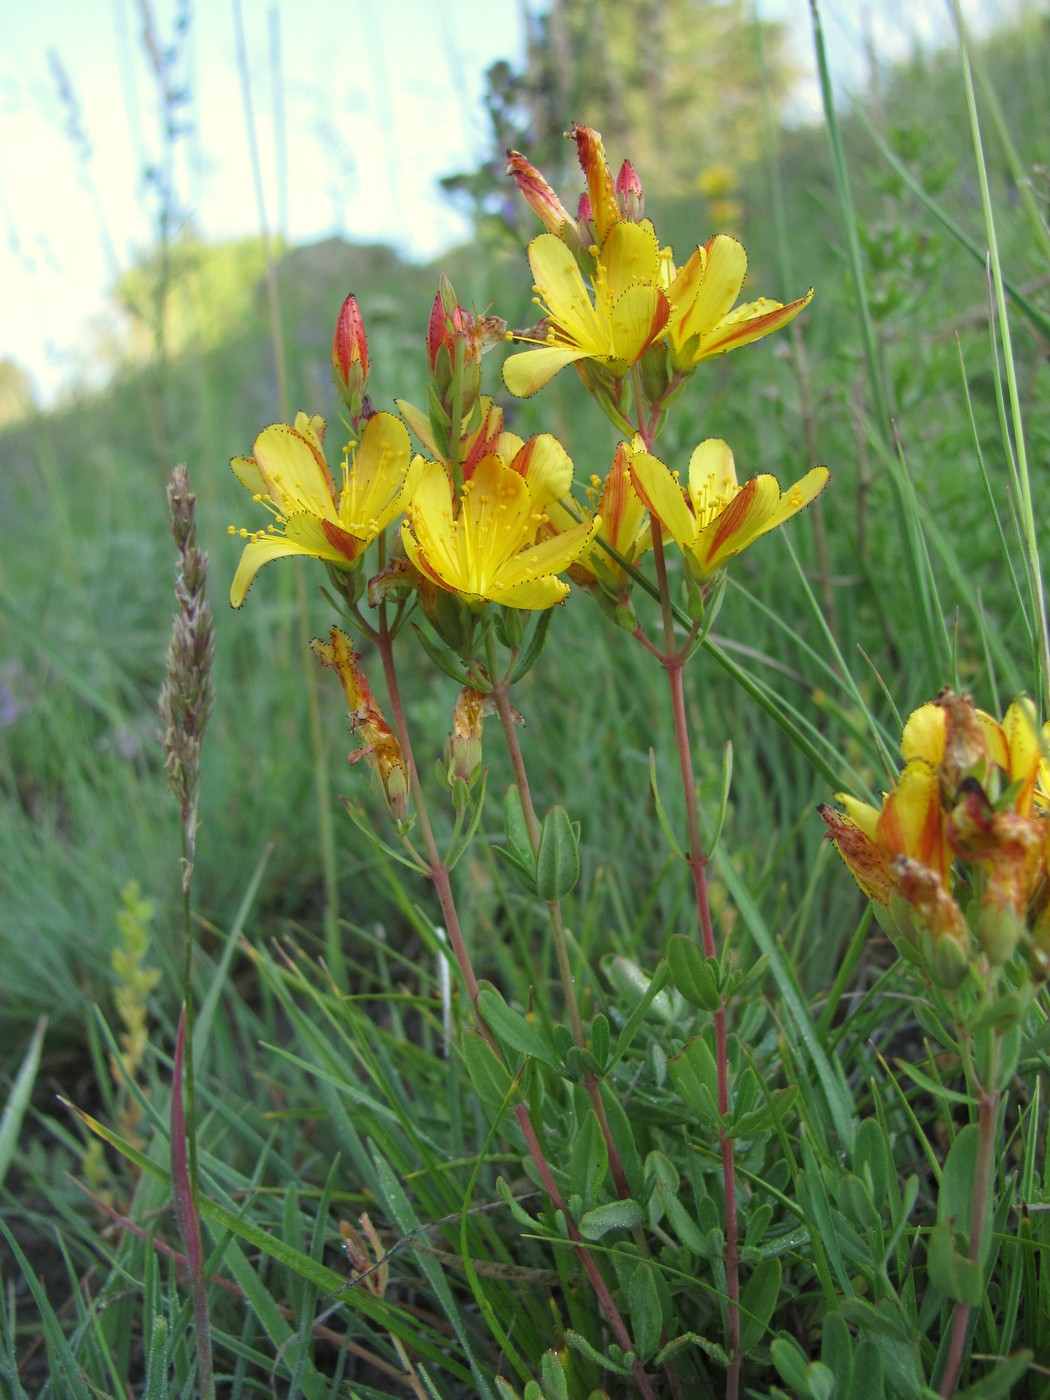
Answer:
(187, 1214)
(672, 658)
(439, 874)
(988, 1098)
(501, 699)
(673, 661)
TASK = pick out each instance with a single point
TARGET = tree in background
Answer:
(671, 83)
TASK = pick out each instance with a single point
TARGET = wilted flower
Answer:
(378, 743)
(969, 791)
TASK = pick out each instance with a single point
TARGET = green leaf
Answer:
(672, 840)
(18, 1099)
(614, 1215)
(620, 1365)
(600, 1039)
(537, 641)
(999, 1384)
(634, 1022)
(512, 1028)
(792, 1365)
(490, 1077)
(555, 1384)
(868, 1382)
(956, 1276)
(694, 1075)
(723, 804)
(589, 1160)
(933, 1086)
(960, 1171)
(442, 658)
(646, 1311)
(696, 977)
(518, 849)
(558, 859)
(757, 1302)
(871, 1157)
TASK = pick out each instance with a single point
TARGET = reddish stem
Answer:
(987, 1123)
(673, 662)
(439, 875)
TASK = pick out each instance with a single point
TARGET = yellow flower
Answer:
(289, 475)
(613, 321)
(481, 546)
(702, 293)
(717, 518)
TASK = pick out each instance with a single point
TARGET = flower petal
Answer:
(296, 477)
(756, 509)
(545, 466)
(662, 494)
(256, 553)
(925, 733)
(526, 373)
(722, 267)
(560, 283)
(370, 495)
(630, 254)
(638, 317)
(750, 322)
(494, 522)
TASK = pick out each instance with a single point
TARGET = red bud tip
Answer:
(349, 345)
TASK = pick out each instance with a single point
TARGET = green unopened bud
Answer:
(947, 961)
(998, 932)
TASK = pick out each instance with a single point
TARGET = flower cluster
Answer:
(955, 859)
(609, 291)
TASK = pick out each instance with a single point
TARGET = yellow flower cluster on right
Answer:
(956, 857)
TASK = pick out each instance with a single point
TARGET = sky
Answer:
(357, 108)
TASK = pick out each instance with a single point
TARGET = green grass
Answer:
(313, 1107)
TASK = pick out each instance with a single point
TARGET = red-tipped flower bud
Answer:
(537, 194)
(629, 195)
(604, 206)
(350, 347)
(447, 321)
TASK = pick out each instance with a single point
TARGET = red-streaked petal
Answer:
(663, 496)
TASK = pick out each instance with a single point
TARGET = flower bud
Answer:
(629, 195)
(463, 752)
(998, 931)
(350, 352)
(603, 203)
(537, 194)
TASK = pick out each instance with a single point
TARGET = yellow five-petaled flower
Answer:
(288, 474)
(481, 544)
(715, 517)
